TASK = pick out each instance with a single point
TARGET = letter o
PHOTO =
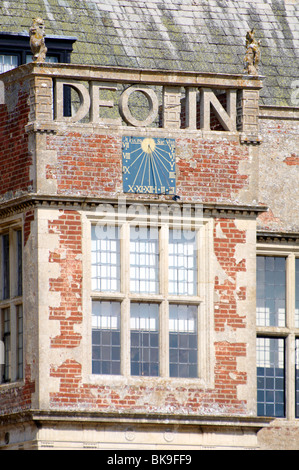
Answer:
(126, 113)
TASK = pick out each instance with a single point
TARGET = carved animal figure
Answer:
(37, 40)
(253, 53)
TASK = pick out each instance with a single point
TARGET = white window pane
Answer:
(106, 337)
(271, 291)
(105, 258)
(8, 62)
(144, 325)
(182, 263)
(183, 341)
(297, 292)
(144, 262)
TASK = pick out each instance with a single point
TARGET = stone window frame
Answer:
(13, 303)
(204, 300)
(289, 333)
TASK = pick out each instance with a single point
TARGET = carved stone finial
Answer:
(253, 53)
(37, 40)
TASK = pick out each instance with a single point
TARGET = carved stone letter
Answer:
(83, 93)
(191, 108)
(125, 110)
(226, 118)
(96, 103)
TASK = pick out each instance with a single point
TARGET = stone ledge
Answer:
(129, 75)
(78, 202)
(279, 112)
(100, 417)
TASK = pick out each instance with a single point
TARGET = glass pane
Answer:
(19, 263)
(182, 262)
(20, 341)
(8, 62)
(271, 291)
(183, 341)
(297, 292)
(144, 325)
(105, 258)
(270, 377)
(7, 346)
(144, 261)
(5, 267)
(106, 337)
(49, 58)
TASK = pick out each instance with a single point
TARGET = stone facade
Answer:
(236, 187)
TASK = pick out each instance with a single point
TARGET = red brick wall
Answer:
(91, 165)
(69, 283)
(17, 398)
(210, 169)
(76, 393)
(15, 160)
(87, 164)
(227, 291)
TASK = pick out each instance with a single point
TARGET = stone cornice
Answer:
(43, 417)
(132, 75)
(279, 112)
(280, 238)
(13, 206)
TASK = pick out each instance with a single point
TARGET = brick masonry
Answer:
(15, 159)
(87, 162)
(91, 165)
(77, 393)
(69, 283)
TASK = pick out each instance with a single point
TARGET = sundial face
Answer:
(149, 165)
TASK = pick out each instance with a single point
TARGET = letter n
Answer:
(226, 118)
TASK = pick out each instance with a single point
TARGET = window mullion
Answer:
(13, 341)
(164, 307)
(290, 291)
(12, 263)
(125, 307)
(290, 340)
(163, 251)
(290, 376)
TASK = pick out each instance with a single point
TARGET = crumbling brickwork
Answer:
(69, 283)
(209, 169)
(87, 165)
(15, 159)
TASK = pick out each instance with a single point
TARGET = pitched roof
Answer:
(191, 35)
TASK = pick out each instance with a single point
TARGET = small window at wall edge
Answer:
(17, 45)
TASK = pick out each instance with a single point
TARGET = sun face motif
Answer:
(148, 165)
(148, 145)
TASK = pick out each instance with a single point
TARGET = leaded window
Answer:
(183, 340)
(147, 299)
(106, 337)
(11, 307)
(182, 262)
(144, 325)
(270, 377)
(277, 334)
